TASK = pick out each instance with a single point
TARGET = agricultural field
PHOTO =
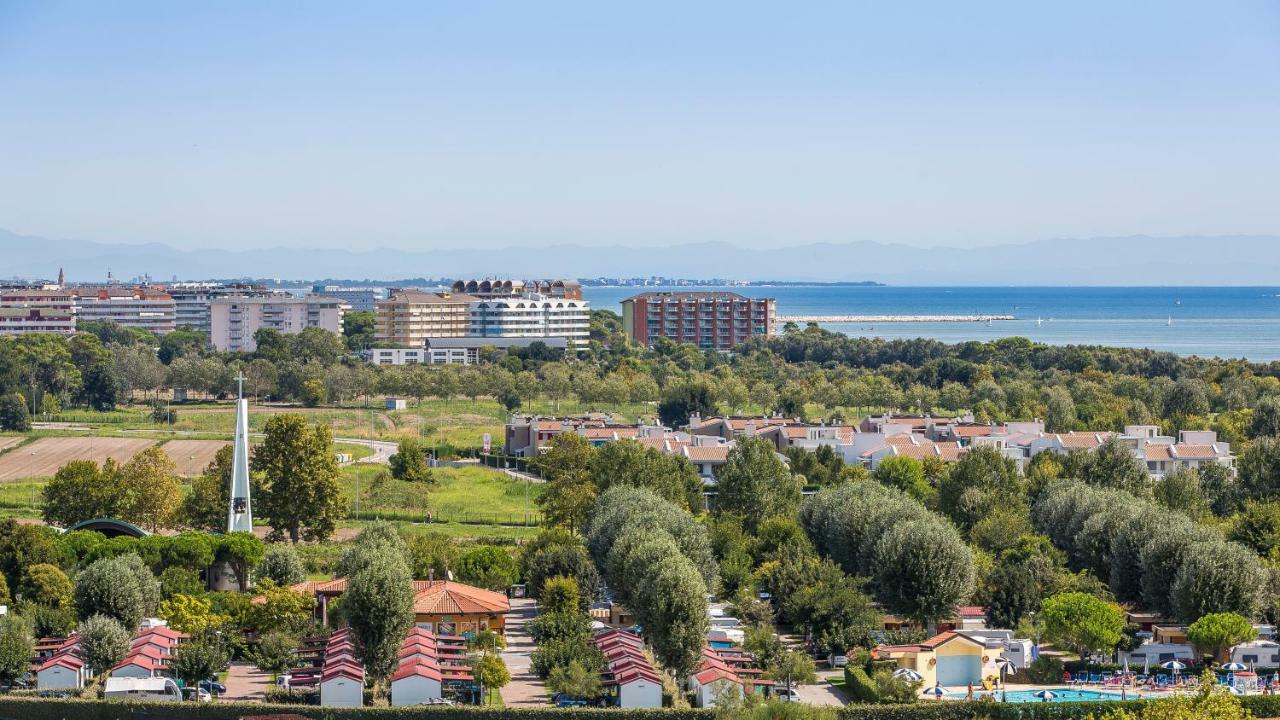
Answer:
(192, 456)
(44, 456)
(468, 496)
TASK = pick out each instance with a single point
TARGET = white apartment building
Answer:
(532, 315)
(30, 310)
(135, 307)
(360, 299)
(409, 318)
(234, 320)
(451, 351)
(192, 300)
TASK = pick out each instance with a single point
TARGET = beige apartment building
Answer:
(36, 310)
(234, 320)
(144, 308)
(409, 317)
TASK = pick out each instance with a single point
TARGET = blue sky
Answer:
(435, 124)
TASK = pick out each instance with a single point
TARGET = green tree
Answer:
(1180, 490)
(569, 491)
(628, 463)
(242, 552)
(1259, 469)
(280, 610)
(191, 615)
(151, 489)
(273, 652)
(685, 398)
(561, 560)
(14, 415)
(80, 490)
(1082, 622)
(575, 680)
(46, 584)
(904, 473)
(410, 463)
(1113, 465)
(358, 329)
(982, 480)
(206, 506)
(121, 588)
(488, 566)
(198, 659)
(300, 496)
(923, 570)
(1217, 577)
(1218, 632)
(282, 565)
(1265, 421)
(491, 673)
(103, 642)
(379, 608)
(16, 645)
(755, 484)
(792, 668)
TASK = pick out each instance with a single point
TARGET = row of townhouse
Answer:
(429, 667)
(628, 677)
(60, 663)
(706, 441)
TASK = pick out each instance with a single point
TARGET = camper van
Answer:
(127, 688)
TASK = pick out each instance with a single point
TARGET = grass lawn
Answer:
(465, 496)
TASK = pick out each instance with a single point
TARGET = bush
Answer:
(858, 686)
(1045, 670)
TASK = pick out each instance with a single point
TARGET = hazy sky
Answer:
(430, 124)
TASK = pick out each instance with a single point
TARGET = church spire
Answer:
(240, 513)
(62, 280)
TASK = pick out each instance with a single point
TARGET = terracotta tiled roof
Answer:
(1154, 451)
(1194, 452)
(713, 453)
(445, 597)
(417, 668)
(1083, 439)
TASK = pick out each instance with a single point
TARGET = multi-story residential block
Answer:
(408, 318)
(530, 316)
(234, 320)
(192, 300)
(36, 310)
(361, 299)
(144, 308)
(710, 320)
(566, 289)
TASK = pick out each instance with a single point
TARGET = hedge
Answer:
(17, 708)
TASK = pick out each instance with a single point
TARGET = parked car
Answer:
(786, 695)
(837, 661)
(193, 694)
(213, 686)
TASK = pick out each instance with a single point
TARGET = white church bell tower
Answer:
(240, 514)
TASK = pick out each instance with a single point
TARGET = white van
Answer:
(126, 688)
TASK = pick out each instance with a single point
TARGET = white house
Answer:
(713, 681)
(638, 687)
(416, 682)
(342, 685)
(1260, 653)
(64, 671)
(144, 662)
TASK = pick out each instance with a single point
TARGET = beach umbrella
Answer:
(936, 691)
(1006, 667)
(1046, 695)
(1146, 666)
(1126, 664)
(1173, 665)
(1234, 667)
(908, 674)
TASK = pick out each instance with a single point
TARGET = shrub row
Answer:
(15, 708)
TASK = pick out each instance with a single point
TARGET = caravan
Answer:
(128, 688)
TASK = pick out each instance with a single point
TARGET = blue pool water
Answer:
(1027, 696)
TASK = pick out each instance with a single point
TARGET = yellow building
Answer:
(951, 659)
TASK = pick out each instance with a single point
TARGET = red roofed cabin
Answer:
(444, 607)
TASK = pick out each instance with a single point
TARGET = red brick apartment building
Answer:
(710, 320)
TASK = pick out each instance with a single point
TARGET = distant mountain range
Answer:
(1139, 260)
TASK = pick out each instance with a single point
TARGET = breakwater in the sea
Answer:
(890, 318)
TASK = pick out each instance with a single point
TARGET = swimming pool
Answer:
(1029, 696)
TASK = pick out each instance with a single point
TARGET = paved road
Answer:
(246, 682)
(382, 450)
(822, 692)
(525, 688)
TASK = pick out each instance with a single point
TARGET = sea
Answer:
(1226, 322)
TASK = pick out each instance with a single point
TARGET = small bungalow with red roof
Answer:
(64, 670)
(342, 684)
(950, 659)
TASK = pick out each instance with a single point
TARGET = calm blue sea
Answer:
(1234, 322)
